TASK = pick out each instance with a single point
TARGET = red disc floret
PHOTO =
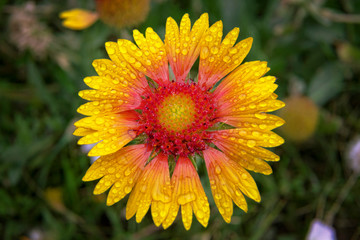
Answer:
(177, 99)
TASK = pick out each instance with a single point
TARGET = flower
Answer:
(117, 13)
(149, 128)
(320, 231)
(353, 155)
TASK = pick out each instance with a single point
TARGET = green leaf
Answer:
(326, 83)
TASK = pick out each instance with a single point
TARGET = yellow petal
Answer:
(117, 73)
(218, 58)
(152, 188)
(189, 194)
(183, 45)
(78, 19)
(112, 132)
(119, 170)
(228, 180)
(243, 145)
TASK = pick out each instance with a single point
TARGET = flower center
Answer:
(176, 112)
(175, 118)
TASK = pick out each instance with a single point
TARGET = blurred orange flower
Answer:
(117, 13)
(300, 115)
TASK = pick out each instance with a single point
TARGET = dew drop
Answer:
(204, 52)
(214, 50)
(260, 115)
(252, 106)
(99, 120)
(251, 143)
(221, 210)
(122, 49)
(226, 59)
(127, 189)
(127, 172)
(137, 64)
(110, 50)
(111, 169)
(208, 38)
(226, 41)
(233, 51)
(131, 60)
(255, 133)
(143, 188)
(200, 214)
(186, 198)
(217, 169)
(262, 126)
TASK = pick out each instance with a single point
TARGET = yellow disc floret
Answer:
(176, 112)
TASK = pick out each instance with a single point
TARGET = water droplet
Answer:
(163, 213)
(233, 51)
(252, 106)
(137, 64)
(255, 133)
(226, 59)
(110, 50)
(186, 198)
(251, 143)
(200, 214)
(99, 120)
(143, 188)
(226, 41)
(184, 52)
(127, 189)
(122, 49)
(260, 115)
(127, 172)
(130, 180)
(221, 210)
(111, 169)
(131, 60)
(217, 169)
(204, 52)
(217, 196)
(214, 50)
(262, 126)
(152, 49)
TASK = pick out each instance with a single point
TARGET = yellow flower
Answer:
(78, 19)
(148, 127)
(117, 13)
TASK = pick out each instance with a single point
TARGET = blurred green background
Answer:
(312, 47)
